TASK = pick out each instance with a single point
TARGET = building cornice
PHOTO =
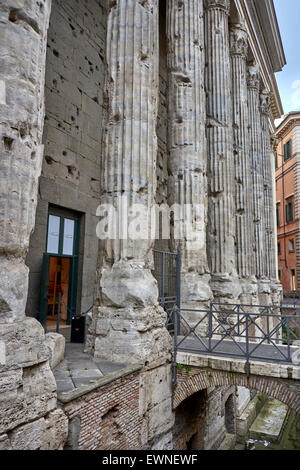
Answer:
(266, 45)
(290, 121)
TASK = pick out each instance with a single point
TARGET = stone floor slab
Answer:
(64, 385)
(108, 367)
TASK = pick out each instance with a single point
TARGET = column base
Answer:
(249, 295)
(130, 335)
(264, 292)
(196, 294)
(276, 292)
(226, 289)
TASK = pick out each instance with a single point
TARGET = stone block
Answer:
(164, 443)
(56, 345)
(128, 286)
(13, 289)
(24, 344)
(55, 431)
(29, 436)
(154, 384)
(160, 419)
(29, 401)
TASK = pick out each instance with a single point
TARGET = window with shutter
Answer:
(289, 212)
(278, 215)
(287, 150)
(276, 160)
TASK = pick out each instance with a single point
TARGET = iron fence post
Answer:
(288, 337)
(178, 287)
(175, 320)
(210, 327)
(247, 346)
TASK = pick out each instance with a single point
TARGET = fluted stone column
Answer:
(257, 169)
(221, 211)
(128, 326)
(276, 286)
(28, 388)
(187, 162)
(242, 162)
(269, 204)
(267, 182)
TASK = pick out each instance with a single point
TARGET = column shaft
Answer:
(128, 291)
(22, 77)
(269, 249)
(257, 170)
(221, 212)
(187, 142)
(243, 183)
(130, 143)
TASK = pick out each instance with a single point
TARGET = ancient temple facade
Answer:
(151, 103)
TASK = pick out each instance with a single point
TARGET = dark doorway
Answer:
(190, 422)
(230, 414)
(60, 269)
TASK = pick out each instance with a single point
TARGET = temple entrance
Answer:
(58, 290)
(59, 271)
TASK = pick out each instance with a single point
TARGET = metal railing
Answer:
(263, 333)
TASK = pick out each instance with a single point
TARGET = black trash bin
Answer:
(77, 329)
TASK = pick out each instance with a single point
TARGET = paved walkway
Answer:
(79, 368)
(236, 349)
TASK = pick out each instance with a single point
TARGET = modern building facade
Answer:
(156, 102)
(287, 201)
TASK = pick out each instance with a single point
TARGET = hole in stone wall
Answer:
(17, 14)
(22, 132)
(110, 413)
(49, 159)
(8, 142)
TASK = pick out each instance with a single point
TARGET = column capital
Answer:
(238, 40)
(253, 77)
(274, 143)
(218, 5)
(265, 98)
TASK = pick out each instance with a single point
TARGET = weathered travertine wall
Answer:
(75, 69)
(29, 418)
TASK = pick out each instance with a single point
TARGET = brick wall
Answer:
(109, 416)
(284, 390)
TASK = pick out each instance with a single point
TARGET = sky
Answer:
(288, 15)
